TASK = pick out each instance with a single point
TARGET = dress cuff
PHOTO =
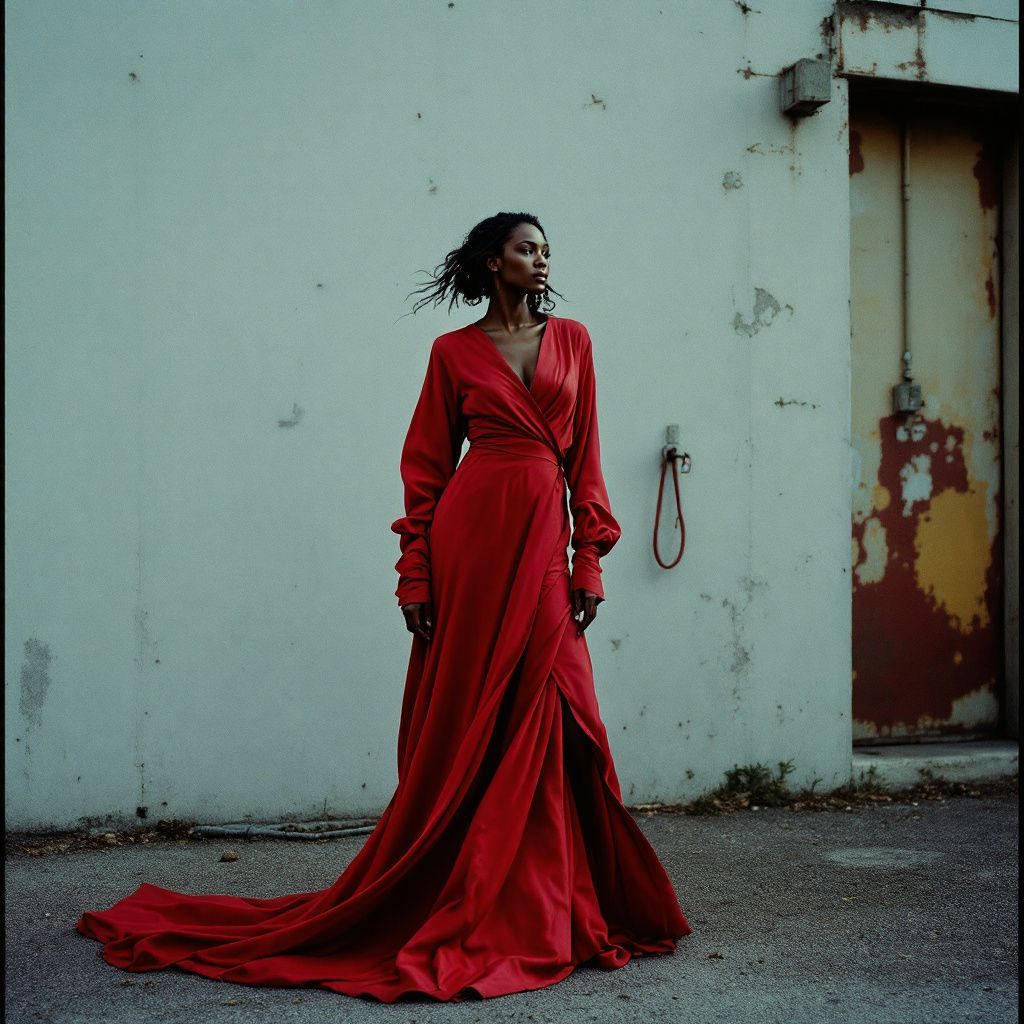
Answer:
(586, 573)
(413, 592)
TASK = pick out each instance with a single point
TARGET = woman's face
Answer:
(524, 260)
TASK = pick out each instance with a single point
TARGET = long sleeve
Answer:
(429, 457)
(595, 530)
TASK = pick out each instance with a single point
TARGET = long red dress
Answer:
(506, 857)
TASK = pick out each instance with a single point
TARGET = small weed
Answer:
(753, 786)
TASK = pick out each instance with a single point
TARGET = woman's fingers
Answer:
(426, 621)
(419, 618)
(584, 609)
(589, 612)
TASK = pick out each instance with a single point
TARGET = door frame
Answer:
(1003, 108)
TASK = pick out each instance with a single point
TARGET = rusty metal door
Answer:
(926, 542)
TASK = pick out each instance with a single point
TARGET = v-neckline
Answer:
(508, 366)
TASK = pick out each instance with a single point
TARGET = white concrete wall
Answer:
(214, 215)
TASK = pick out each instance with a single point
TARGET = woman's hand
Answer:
(419, 618)
(584, 608)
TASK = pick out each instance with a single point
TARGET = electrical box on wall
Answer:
(906, 398)
(805, 86)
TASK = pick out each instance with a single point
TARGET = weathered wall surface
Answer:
(214, 217)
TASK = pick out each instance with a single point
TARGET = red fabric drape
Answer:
(505, 857)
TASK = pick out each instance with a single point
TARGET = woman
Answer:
(505, 858)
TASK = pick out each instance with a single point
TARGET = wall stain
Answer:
(986, 173)
(887, 18)
(34, 681)
(296, 417)
(780, 402)
(827, 28)
(766, 309)
(756, 147)
(856, 156)
(748, 72)
(144, 646)
(918, 62)
(752, 584)
(991, 296)
(739, 650)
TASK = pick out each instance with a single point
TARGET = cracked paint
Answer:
(915, 482)
(927, 587)
(871, 556)
(766, 309)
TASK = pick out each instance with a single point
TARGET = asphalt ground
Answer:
(895, 910)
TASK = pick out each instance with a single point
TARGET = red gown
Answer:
(506, 857)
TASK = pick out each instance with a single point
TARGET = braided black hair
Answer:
(464, 272)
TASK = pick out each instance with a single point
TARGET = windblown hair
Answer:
(464, 272)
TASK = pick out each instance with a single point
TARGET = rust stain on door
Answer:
(926, 529)
(927, 588)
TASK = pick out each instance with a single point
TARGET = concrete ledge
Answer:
(899, 765)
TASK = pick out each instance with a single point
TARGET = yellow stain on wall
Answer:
(953, 555)
(880, 497)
